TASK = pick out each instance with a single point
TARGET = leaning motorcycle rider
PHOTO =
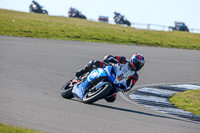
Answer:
(74, 12)
(118, 17)
(37, 8)
(135, 64)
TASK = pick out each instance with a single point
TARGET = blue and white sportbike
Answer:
(101, 83)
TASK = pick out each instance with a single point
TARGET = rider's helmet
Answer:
(137, 61)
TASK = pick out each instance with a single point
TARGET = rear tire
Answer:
(128, 23)
(91, 97)
(45, 12)
(66, 91)
(84, 17)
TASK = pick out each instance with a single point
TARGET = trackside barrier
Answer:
(144, 26)
(160, 27)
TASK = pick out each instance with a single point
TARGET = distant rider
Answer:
(135, 64)
(37, 8)
(118, 17)
(74, 12)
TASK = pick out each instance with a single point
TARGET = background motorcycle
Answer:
(101, 83)
(121, 20)
(180, 26)
(76, 14)
(36, 9)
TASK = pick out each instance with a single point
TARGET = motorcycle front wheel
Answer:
(66, 91)
(91, 97)
(30, 8)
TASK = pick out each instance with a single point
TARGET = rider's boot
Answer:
(87, 68)
(79, 73)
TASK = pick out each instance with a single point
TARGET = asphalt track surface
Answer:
(32, 71)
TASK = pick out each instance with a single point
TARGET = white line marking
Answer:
(187, 86)
(152, 98)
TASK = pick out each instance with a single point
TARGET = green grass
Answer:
(11, 129)
(187, 100)
(53, 27)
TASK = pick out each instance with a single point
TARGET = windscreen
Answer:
(126, 69)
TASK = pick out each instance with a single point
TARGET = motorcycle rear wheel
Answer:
(66, 91)
(83, 17)
(128, 23)
(91, 97)
(45, 12)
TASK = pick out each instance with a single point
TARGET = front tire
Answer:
(30, 8)
(66, 91)
(91, 97)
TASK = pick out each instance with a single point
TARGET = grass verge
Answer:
(188, 100)
(11, 129)
(53, 27)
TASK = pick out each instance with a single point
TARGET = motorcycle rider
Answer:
(118, 17)
(182, 27)
(37, 8)
(74, 12)
(136, 62)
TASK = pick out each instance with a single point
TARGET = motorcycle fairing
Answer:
(111, 72)
(80, 89)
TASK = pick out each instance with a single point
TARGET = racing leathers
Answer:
(100, 64)
(36, 7)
